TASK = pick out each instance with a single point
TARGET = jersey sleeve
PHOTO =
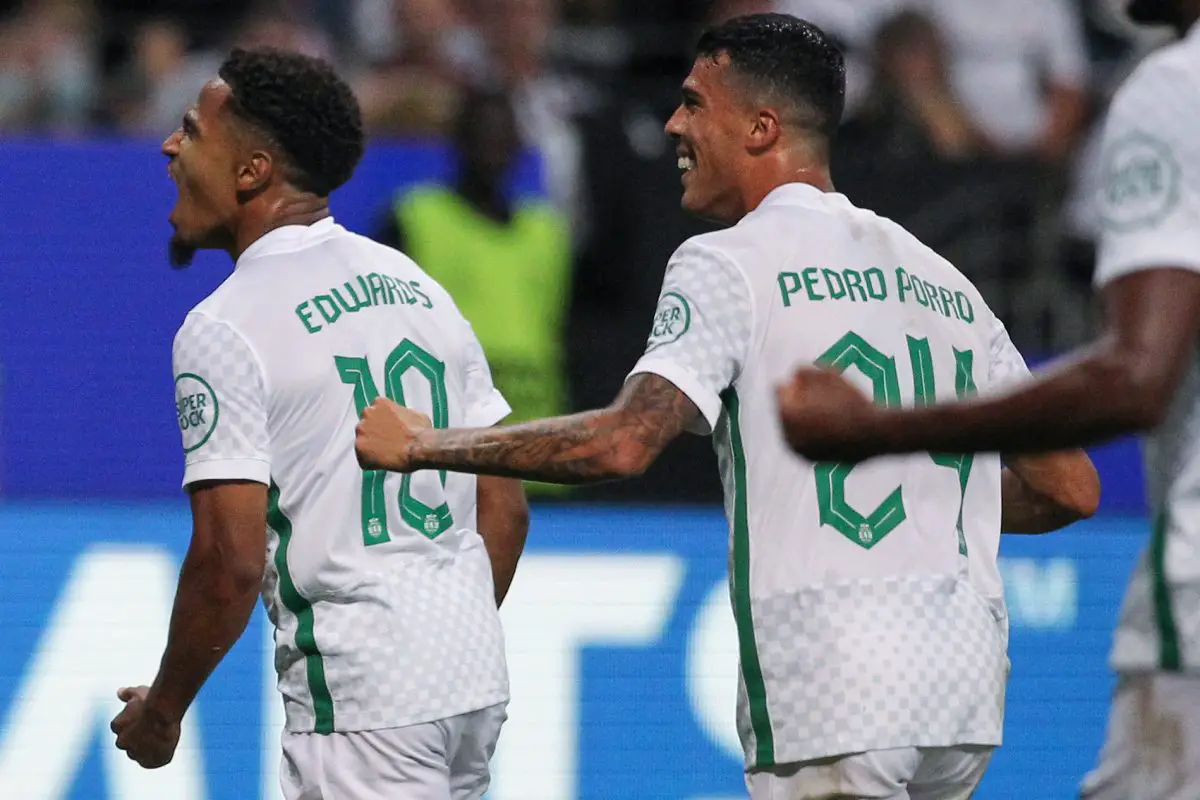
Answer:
(1149, 200)
(485, 405)
(220, 400)
(1006, 365)
(701, 329)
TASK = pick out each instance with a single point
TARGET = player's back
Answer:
(378, 584)
(855, 585)
(842, 287)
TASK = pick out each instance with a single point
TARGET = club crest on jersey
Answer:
(197, 409)
(1141, 183)
(672, 319)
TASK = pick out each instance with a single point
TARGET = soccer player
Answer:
(388, 642)
(869, 607)
(1141, 374)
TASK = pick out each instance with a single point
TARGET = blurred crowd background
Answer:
(971, 122)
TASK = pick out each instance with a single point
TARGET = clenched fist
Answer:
(385, 435)
(825, 417)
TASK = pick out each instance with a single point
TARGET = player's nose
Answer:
(674, 126)
(170, 145)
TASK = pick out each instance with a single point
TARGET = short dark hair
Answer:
(301, 105)
(788, 57)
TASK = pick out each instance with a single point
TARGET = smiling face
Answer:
(710, 128)
(203, 161)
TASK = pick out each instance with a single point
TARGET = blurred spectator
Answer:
(1021, 69)
(163, 73)
(853, 25)
(421, 51)
(160, 79)
(517, 34)
(506, 262)
(910, 109)
(47, 66)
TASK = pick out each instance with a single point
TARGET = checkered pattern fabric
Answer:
(877, 664)
(393, 646)
(701, 331)
(221, 403)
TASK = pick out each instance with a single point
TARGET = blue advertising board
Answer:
(620, 641)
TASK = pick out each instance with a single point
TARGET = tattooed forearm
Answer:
(617, 442)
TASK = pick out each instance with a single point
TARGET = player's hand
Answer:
(146, 736)
(385, 436)
(825, 417)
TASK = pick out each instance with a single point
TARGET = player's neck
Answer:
(817, 177)
(296, 209)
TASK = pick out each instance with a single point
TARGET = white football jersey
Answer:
(379, 587)
(1149, 205)
(868, 601)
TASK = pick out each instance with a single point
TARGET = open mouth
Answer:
(687, 159)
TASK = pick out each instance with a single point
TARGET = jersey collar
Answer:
(798, 194)
(287, 239)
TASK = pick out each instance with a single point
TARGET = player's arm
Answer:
(620, 441)
(1123, 383)
(221, 405)
(698, 341)
(502, 515)
(219, 585)
(1039, 494)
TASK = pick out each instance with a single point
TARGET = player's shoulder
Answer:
(1166, 75)
(721, 252)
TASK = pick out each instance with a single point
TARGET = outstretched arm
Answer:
(1039, 494)
(1123, 383)
(619, 441)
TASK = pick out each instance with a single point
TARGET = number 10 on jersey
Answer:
(429, 521)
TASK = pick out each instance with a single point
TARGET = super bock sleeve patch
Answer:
(198, 410)
(1141, 182)
(672, 319)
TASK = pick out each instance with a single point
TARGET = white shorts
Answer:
(907, 773)
(1152, 747)
(443, 760)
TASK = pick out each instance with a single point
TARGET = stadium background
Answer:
(621, 643)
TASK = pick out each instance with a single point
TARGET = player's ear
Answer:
(764, 130)
(255, 172)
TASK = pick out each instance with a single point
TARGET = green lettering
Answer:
(362, 283)
(789, 284)
(854, 282)
(305, 314)
(403, 289)
(918, 290)
(877, 292)
(965, 312)
(335, 311)
(838, 292)
(948, 302)
(416, 287)
(378, 295)
(933, 296)
(350, 309)
(810, 280)
(903, 282)
(390, 285)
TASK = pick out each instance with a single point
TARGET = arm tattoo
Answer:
(617, 442)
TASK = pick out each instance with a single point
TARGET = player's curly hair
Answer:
(302, 107)
(788, 57)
